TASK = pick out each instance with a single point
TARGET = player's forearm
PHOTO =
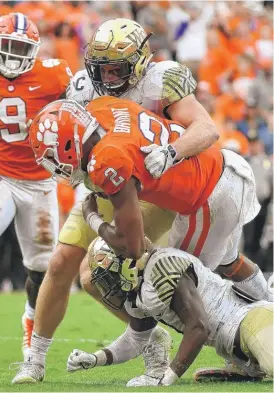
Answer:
(199, 136)
(120, 244)
(113, 238)
(191, 345)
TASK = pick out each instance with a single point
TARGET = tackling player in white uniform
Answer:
(178, 290)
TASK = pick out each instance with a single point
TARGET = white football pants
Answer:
(213, 233)
(33, 206)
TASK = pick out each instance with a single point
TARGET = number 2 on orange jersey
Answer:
(146, 123)
(113, 176)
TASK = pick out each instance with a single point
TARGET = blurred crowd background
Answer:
(228, 45)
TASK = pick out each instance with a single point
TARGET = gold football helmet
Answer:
(117, 56)
(113, 276)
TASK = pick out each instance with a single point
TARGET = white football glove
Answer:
(80, 360)
(159, 159)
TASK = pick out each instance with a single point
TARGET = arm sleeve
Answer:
(110, 169)
(129, 345)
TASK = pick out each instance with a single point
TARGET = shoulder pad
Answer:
(80, 88)
(56, 71)
(165, 267)
(110, 167)
(169, 81)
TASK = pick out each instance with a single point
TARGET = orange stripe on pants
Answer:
(190, 232)
(205, 230)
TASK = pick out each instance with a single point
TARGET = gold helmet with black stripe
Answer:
(113, 276)
(117, 56)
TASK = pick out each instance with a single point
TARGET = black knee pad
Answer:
(36, 277)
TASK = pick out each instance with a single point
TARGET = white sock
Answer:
(255, 285)
(29, 311)
(39, 348)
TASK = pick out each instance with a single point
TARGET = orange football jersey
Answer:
(20, 100)
(184, 188)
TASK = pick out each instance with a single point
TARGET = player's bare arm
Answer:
(180, 104)
(237, 270)
(200, 134)
(127, 236)
(201, 131)
(188, 305)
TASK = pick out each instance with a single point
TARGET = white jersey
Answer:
(224, 309)
(163, 84)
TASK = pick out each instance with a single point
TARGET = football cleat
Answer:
(156, 352)
(143, 380)
(230, 373)
(156, 358)
(29, 372)
(27, 325)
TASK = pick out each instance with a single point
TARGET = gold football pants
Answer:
(256, 333)
(76, 231)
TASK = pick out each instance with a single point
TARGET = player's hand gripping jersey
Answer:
(20, 99)
(117, 157)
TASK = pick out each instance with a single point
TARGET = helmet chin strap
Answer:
(145, 40)
(77, 144)
(91, 128)
(77, 175)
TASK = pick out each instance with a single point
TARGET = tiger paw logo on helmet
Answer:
(48, 132)
(92, 162)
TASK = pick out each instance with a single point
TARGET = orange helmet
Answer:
(19, 44)
(57, 134)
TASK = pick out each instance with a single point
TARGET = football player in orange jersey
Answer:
(27, 194)
(213, 193)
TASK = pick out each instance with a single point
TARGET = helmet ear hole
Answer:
(132, 264)
(68, 145)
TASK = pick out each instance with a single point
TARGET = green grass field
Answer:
(88, 326)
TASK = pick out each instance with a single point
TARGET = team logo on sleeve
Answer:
(48, 132)
(49, 63)
(92, 162)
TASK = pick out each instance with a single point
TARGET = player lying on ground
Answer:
(166, 86)
(27, 193)
(176, 288)
(213, 193)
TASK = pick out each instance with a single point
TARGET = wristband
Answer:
(94, 221)
(169, 377)
(172, 151)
